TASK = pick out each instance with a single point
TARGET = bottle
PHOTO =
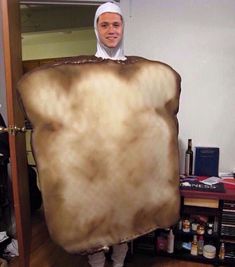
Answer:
(200, 245)
(215, 228)
(200, 229)
(194, 225)
(170, 242)
(210, 228)
(222, 251)
(194, 247)
(186, 226)
(188, 167)
(180, 225)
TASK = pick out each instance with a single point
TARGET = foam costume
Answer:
(106, 148)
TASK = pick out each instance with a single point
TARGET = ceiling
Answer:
(56, 18)
(60, 15)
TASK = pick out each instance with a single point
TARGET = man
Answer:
(109, 28)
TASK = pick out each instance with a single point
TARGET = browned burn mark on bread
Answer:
(96, 167)
(141, 216)
(53, 126)
(62, 77)
(93, 226)
(128, 72)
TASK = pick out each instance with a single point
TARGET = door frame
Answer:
(11, 38)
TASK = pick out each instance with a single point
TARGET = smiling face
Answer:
(110, 29)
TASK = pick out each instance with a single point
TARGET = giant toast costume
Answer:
(105, 141)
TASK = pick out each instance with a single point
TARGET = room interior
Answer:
(40, 31)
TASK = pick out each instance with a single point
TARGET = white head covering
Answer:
(103, 51)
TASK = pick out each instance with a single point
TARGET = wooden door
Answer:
(10, 15)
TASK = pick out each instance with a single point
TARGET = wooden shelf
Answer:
(195, 203)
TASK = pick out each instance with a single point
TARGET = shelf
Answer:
(204, 211)
(201, 211)
(228, 239)
(185, 255)
(201, 202)
(145, 249)
(181, 234)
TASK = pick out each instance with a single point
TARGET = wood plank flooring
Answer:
(44, 253)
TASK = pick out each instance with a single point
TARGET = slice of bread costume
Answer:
(105, 141)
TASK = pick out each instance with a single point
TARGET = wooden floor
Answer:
(44, 253)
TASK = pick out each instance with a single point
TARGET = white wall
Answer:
(197, 38)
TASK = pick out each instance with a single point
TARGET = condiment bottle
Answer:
(200, 229)
(194, 247)
(222, 251)
(170, 242)
(200, 245)
(210, 228)
(186, 226)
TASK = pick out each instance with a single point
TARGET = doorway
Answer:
(12, 66)
(70, 32)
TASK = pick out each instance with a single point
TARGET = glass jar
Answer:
(194, 226)
(186, 226)
(200, 229)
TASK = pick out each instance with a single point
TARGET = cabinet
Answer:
(227, 231)
(4, 195)
(208, 216)
(200, 219)
(5, 211)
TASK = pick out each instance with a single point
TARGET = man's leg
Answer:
(119, 254)
(97, 259)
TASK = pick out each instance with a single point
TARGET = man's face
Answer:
(110, 29)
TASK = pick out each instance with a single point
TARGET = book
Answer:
(206, 161)
(211, 180)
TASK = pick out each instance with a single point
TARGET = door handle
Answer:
(12, 129)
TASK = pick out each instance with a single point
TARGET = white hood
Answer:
(103, 51)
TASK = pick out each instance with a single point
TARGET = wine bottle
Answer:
(189, 159)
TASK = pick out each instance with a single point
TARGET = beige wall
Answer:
(58, 44)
